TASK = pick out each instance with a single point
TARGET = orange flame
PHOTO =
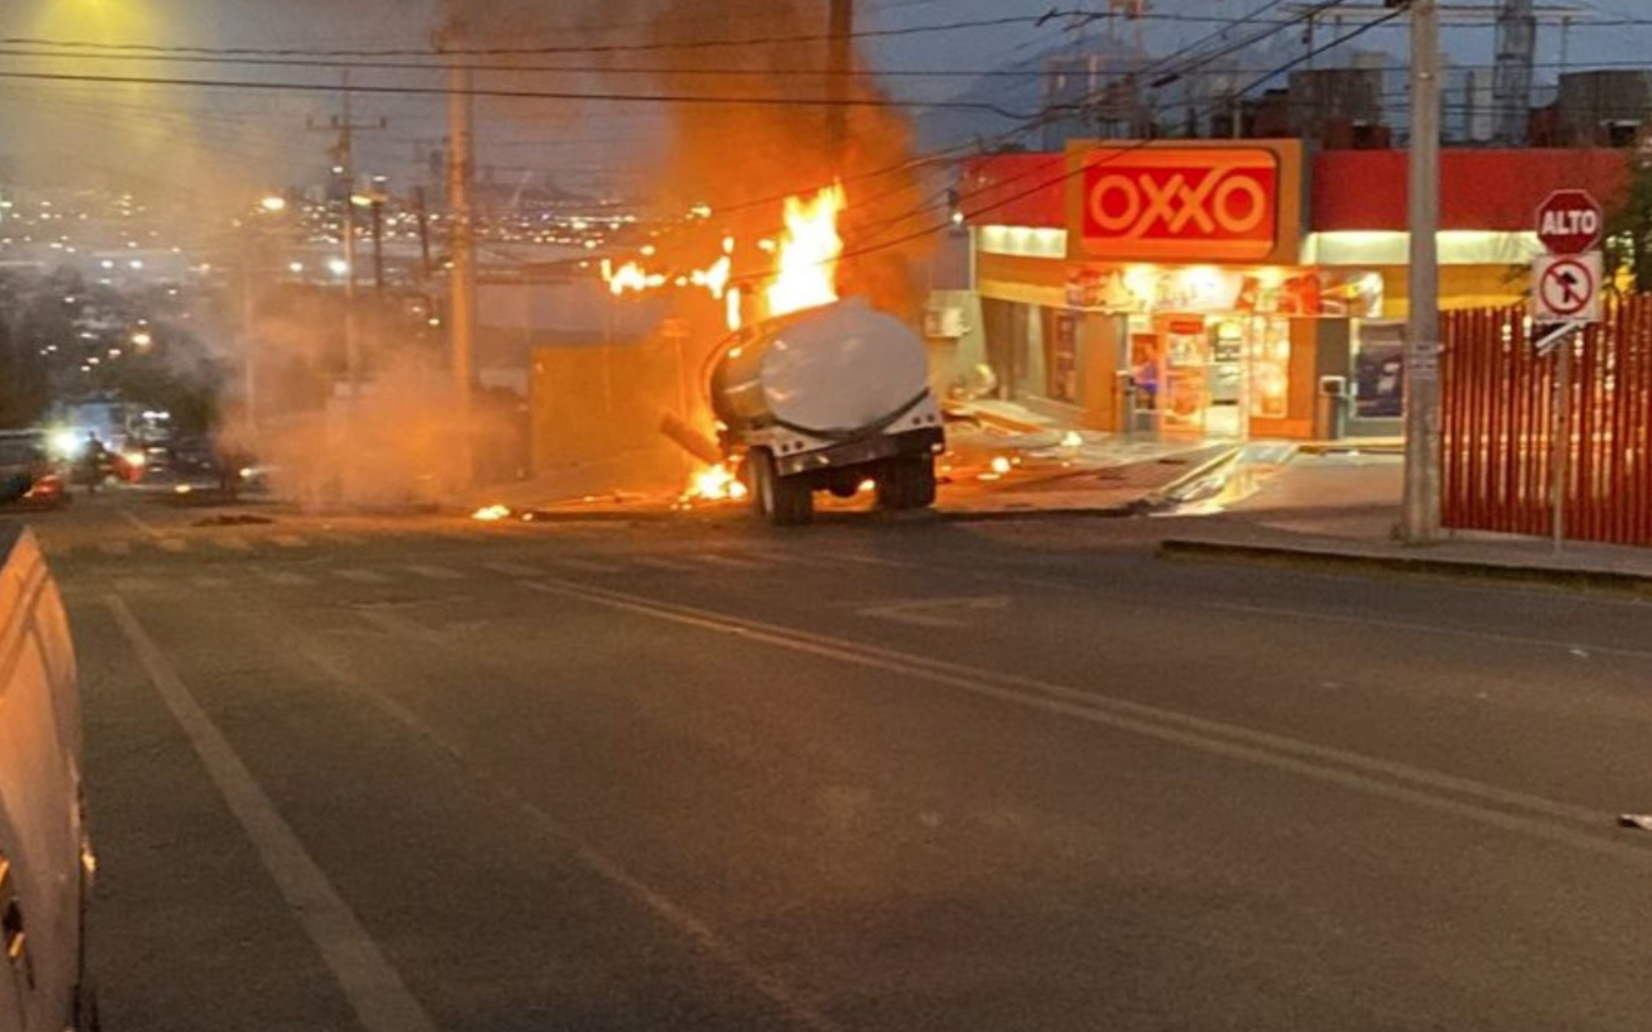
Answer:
(629, 276)
(809, 253)
(714, 484)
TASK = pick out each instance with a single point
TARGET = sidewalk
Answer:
(1338, 512)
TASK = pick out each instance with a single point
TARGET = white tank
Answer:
(840, 367)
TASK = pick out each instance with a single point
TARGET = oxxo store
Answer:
(1166, 295)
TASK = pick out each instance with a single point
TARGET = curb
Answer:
(1576, 579)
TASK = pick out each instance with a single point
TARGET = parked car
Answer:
(28, 474)
(46, 862)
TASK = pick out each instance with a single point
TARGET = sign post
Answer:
(1566, 287)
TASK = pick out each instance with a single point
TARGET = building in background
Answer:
(1211, 288)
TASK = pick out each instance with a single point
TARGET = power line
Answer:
(1038, 20)
(505, 94)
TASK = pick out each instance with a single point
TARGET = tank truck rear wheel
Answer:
(907, 483)
(783, 501)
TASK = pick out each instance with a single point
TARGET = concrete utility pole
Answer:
(344, 156)
(1420, 523)
(840, 65)
(462, 247)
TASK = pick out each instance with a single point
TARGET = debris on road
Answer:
(1639, 821)
(238, 519)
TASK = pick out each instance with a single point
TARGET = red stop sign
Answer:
(1570, 222)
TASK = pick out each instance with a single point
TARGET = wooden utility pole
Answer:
(840, 66)
(462, 246)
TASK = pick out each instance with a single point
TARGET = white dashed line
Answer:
(514, 569)
(233, 544)
(586, 566)
(282, 578)
(363, 576)
(730, 561)
(176, 546)
(437, 573)
(654, 562)
(116, 548)
(289, 541)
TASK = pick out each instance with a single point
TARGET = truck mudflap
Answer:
(923, 441)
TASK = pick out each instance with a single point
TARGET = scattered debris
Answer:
(237, 519)
(492, 513)
(1640, 821)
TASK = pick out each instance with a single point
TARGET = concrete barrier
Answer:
(44, 860)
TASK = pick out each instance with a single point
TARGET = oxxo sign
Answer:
(1202, 204)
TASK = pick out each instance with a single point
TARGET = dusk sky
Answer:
(264, 132)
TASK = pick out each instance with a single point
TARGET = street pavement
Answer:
(425, 773)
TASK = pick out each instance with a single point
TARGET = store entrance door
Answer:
(1201, 365)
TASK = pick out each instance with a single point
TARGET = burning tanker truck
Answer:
(824, 400)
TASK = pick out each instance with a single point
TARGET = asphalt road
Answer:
(427, 774)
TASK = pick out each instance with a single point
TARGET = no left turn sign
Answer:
(1567, 288)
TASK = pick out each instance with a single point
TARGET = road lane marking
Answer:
(435, 573)
(775, 555)
(143, 526)
(233, 544)
(732, 562)
(1542, 818)
(514, 569)
(933, 612)
(585, 565)
(655, 562)
(285, 579)
(870, 560)
(288, 541)
(1434, 629)
(136, 585)
(666, 910)
(115, 548)
(374, 988)
(362, 576)
(210, 583)
(175, 546)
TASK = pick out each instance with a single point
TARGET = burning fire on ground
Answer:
(713, 484)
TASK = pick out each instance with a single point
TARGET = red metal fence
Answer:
(1499, 421)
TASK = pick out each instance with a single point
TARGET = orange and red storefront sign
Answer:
(1185, 203)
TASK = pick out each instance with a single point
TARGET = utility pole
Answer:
(421, 208)
(840, 66)
(462, 246)
(378, 244)
(249, 350)
(1420, 524)
(344, 157)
